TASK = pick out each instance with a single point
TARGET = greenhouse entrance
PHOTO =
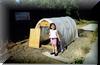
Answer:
(40, 32)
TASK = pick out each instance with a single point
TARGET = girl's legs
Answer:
(53, 50)
(54, 47)
(56, 52)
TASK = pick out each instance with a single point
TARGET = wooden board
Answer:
(34, 39)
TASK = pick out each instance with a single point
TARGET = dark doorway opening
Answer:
(20, 29)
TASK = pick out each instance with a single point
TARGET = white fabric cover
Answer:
(66, 26)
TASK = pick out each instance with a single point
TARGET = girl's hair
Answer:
(51, 25)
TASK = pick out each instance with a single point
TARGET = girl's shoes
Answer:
(52, 53)
(56, 54)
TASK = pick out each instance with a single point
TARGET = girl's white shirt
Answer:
(53, 33)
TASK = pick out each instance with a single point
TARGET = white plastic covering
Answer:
(66, 27)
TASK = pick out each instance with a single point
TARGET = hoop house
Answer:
(66, 27)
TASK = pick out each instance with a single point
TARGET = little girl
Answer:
(53, 35)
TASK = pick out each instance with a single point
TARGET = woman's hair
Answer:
(51, 25)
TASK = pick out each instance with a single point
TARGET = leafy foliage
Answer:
(68, 5)
(79, 60)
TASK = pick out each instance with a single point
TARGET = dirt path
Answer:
(92, 56)
(21, 53)
(75, 52)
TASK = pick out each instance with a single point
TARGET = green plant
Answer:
(79, 60)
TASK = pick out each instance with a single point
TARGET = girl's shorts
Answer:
(53, 41)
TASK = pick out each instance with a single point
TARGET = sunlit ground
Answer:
(75, 52)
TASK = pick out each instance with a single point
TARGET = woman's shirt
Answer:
(53, 33)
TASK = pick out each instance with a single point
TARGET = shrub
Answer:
(79, 60)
